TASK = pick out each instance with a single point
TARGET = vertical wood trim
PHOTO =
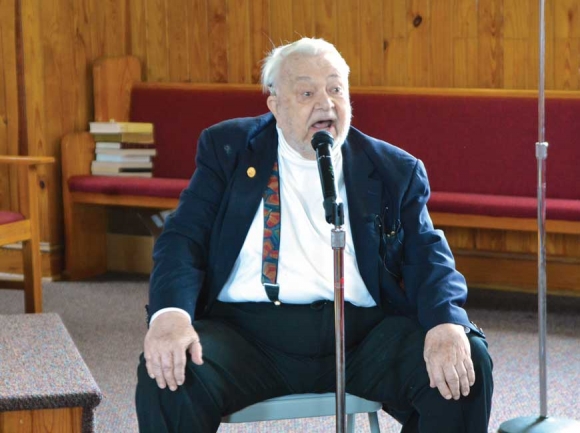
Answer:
(218, 55)
(198, 41)
(325, 20)
(9, 102)
(20, 68)
(259, 33)
(371, 47)
(348, 42)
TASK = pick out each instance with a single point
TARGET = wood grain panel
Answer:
(348, 42)
(464, 19)
(419, 57)
(239, 47)
(441, 44)
(65, 420)
(259, 30)
(395, 24)
(157, 43)
(178, 28)
(325, 19)
(137, 31)
(197, 43)
(281, 29)
(218, 55)
(465, 62)
(303, 18)
(490, 48)
(372, 45)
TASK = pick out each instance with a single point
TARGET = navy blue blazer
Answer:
(405, 263)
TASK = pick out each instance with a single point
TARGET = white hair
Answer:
(307, 46)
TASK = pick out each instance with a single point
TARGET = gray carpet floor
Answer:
(106, 320)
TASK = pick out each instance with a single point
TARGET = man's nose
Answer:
(324, 101)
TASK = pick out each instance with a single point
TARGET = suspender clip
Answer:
(273, 290)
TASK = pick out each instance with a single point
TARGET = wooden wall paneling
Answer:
(465, 44)
(239, 44)
(325, 20)
(157, 43)
(97, 17)
(137, 30)
(372, 42)
(281, 29)
(218, 56)
(61, 94)
(198, 41)
(419, 42)
(115, 27)
(459, 237)
(260, 36)
(178, 28)
(396, 30)
(8, 103)
(490, 240)
(112, 81)
(567, 44)
(348, 41)
(303, 18)
(441, 47)
(490, 44)
(82, 48)
(36, 113)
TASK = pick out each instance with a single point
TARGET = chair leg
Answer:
(374, 422)
(350, 421)
(32, 270)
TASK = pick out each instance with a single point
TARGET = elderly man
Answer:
(241, 296)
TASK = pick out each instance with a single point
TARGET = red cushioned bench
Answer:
(478, 147)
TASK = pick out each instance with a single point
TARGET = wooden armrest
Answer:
(26, 160)
(77, 153)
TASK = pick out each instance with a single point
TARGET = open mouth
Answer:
(323, 125)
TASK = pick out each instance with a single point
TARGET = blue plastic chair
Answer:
(307, 406)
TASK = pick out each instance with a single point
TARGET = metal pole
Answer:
(541, 155)
(338, 240)
(541, 424)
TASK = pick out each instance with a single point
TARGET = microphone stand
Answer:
(542, 423)
(335, 216)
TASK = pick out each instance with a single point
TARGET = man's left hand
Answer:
(448, 357)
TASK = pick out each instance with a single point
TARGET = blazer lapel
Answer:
(364, 204)
(247, 187)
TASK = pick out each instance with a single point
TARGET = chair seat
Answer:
(300, 406)
(7, 217)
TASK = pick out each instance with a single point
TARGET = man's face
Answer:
(311, 95)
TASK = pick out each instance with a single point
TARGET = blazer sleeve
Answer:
(428, 270)
(180, 254)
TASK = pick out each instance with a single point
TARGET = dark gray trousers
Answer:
(256, 351)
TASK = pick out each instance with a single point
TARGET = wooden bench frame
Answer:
(86, 214)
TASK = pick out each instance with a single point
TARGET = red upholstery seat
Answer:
(7, 217)
(502, 206)
(114, 185)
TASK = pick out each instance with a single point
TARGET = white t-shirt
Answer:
(306, 260)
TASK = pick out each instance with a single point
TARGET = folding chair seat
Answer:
(306, 406)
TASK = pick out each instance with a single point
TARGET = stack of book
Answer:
(123, 148)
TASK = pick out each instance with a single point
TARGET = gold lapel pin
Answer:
(251, 172)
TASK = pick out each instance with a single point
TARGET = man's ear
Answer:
(272, 103)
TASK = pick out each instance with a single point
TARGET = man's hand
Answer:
(448, 357)
(166, 342)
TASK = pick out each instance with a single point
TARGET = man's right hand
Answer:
(170, 335)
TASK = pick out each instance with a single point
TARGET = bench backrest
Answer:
(475, 141)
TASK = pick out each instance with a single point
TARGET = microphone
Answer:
(322, 142)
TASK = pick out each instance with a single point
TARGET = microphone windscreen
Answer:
(322, 137)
